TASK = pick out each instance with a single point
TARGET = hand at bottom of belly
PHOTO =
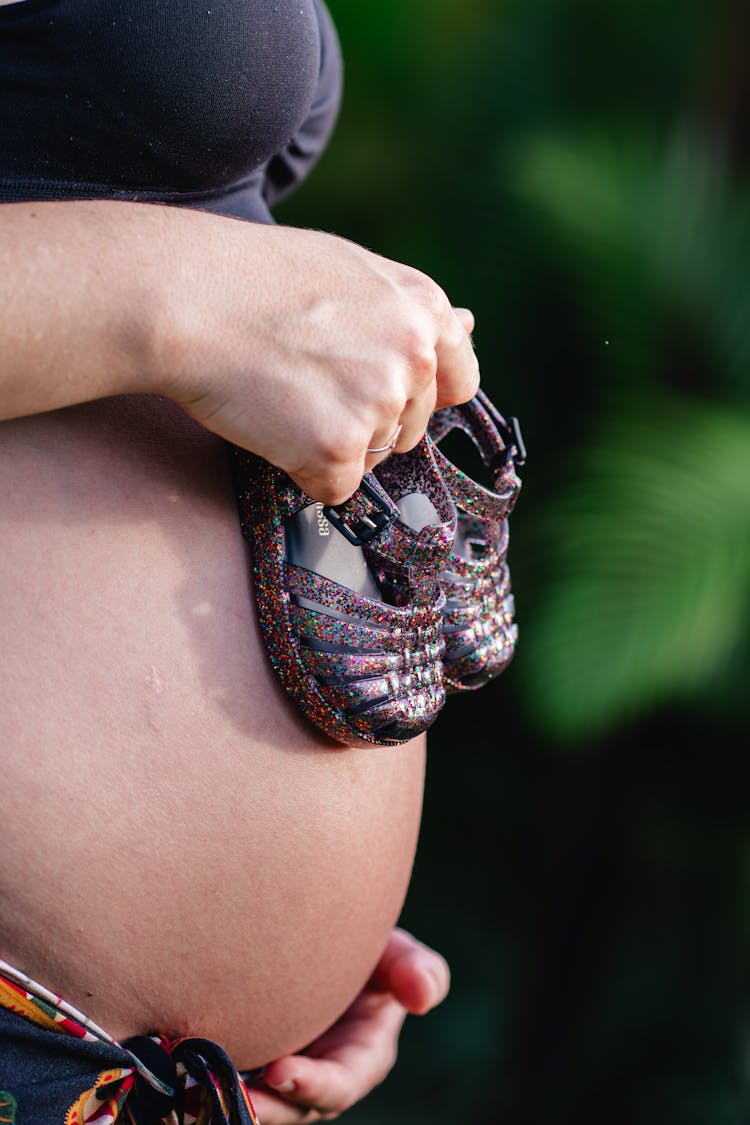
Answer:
(358, 1052)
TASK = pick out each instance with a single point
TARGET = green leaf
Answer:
(649, 551)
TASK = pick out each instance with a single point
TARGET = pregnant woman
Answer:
(183, 855)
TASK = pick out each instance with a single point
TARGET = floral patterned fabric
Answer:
(58, 1068)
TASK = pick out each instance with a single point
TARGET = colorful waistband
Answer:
(57, 1067)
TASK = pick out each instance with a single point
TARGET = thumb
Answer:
(414, 974)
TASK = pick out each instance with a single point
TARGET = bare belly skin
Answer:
(181, 851)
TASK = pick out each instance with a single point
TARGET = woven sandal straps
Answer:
(501, 448)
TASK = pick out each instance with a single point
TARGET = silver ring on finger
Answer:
(392, 441)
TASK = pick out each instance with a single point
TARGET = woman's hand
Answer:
(357, 1053)
(300, 346)
(317, 351)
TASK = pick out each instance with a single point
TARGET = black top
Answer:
(217, 104)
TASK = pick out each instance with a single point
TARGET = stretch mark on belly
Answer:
(154, 682)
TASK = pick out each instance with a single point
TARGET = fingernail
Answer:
(286, 1087)
(437, 983)
(439, 974)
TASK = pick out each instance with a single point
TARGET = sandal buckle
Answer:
(515, 450)
(361, 528)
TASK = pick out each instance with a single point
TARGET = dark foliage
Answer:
(577, 174)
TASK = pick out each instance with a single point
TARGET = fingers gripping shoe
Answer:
(478, 622)
(363, 666)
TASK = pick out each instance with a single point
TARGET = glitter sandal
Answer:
(478, 626)
(362, 665)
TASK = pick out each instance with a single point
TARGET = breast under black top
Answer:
(217, 104)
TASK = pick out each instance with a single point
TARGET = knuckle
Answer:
(421, 358)
(388, 390)
(339, 450)
(336, 446)
(427, 291)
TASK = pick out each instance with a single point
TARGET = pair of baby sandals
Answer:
(372, 610)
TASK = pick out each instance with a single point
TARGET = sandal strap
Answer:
(481, 601)
(326, 592)
(473, 497)
(494, 537)
(369, 517)
(372, 676)
(369, 500)
(336, 663)
(498, 441)
(418, 555)
(498, 446)
(416, 706)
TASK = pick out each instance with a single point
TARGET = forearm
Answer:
(82, 289)
(300, 346)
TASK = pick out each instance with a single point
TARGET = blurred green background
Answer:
(578, 173)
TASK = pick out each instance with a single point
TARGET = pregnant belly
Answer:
(181, 852)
